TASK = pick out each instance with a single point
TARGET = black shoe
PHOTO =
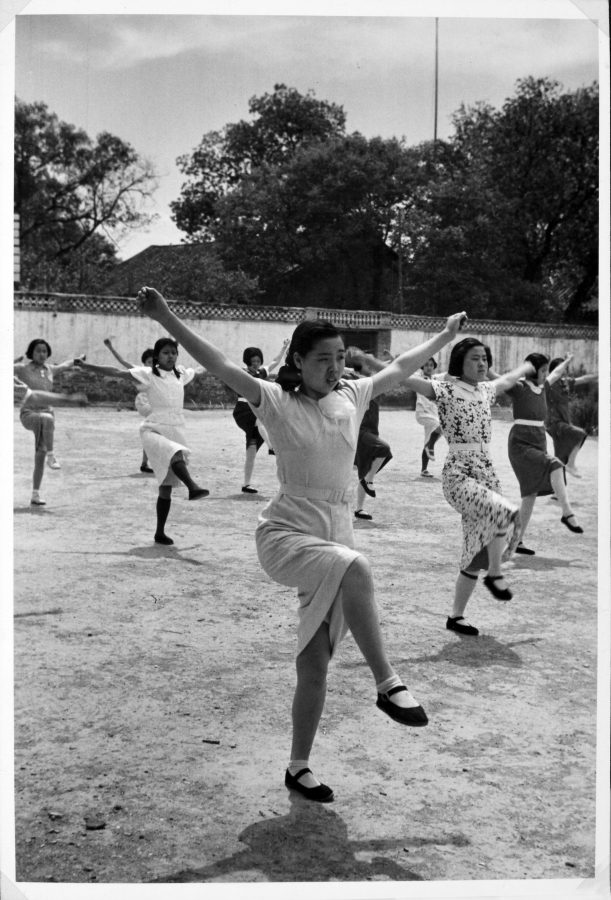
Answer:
(359, 514)
(365, 485)
(146, 469)
(163, 539)
(453, 623)
(525, 550)
(198, 494)
(322, 793)
(504, 594)
(413, 715)
(247, 489)
(576, 528)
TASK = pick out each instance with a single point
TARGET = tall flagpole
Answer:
(436, 79)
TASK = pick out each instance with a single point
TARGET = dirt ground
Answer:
(153, 685)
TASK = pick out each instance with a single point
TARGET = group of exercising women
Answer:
(320, 420)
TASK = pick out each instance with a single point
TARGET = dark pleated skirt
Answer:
(530, 460)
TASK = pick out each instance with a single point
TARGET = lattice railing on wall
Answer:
(343, 318)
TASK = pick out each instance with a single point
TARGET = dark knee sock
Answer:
(179, 467)
(433, 439)
(163, 508)
(425, 460)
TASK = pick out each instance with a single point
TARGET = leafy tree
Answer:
(515, 206)
(333, 200)
(501, 218)
(282, 122)
(72, 194)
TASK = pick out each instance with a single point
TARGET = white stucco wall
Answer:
(73, 333)
(508, 351)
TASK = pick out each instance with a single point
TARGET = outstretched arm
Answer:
(420, 385)
(586, 379)
(104, 370)
(120, 360)
(155, 307)
(68, 363)
(559, 371)
(407, 363)
(506, 381)
(36, 399)
(278, 359)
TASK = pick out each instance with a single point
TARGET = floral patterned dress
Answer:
(470, 483)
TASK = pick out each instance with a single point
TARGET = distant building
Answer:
(365, 276)
(173, 268)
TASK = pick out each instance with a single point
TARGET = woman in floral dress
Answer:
(490, 523)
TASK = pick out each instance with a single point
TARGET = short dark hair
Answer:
(555, 362)
(304, 338)
(538, 360)
(249, 353)
(32, 346)
(148, 352)
(460, 350)
(430, 359)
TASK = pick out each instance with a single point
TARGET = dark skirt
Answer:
(369, 447)
(566, 437)
(530, 460)
(245, 419)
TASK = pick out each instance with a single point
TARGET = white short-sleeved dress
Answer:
(469, 481)
(162, 431)
(427, 413)
(304, 536)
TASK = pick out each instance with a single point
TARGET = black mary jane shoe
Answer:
(577, 529)
(411, 715)
(322, 793)
(247, 489)
(365, 485)
(503, 594)
(525, 550)
(359, 514)
(454, 623)
(146, 469)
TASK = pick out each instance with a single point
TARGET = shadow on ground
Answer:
(310, 843)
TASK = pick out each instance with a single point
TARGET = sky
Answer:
(160, 82)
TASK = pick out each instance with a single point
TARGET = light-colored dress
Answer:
(304, 537)
(469, 481)
(162, 431)
(37, 378)
(527, 443)
(427, 414)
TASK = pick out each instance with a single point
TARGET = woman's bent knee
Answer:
(358, 569)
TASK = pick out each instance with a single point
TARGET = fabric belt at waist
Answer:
(479, 446)
(331, 495)
(532, 422)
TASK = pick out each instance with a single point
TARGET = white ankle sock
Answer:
(402, 698)
(307, 780)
